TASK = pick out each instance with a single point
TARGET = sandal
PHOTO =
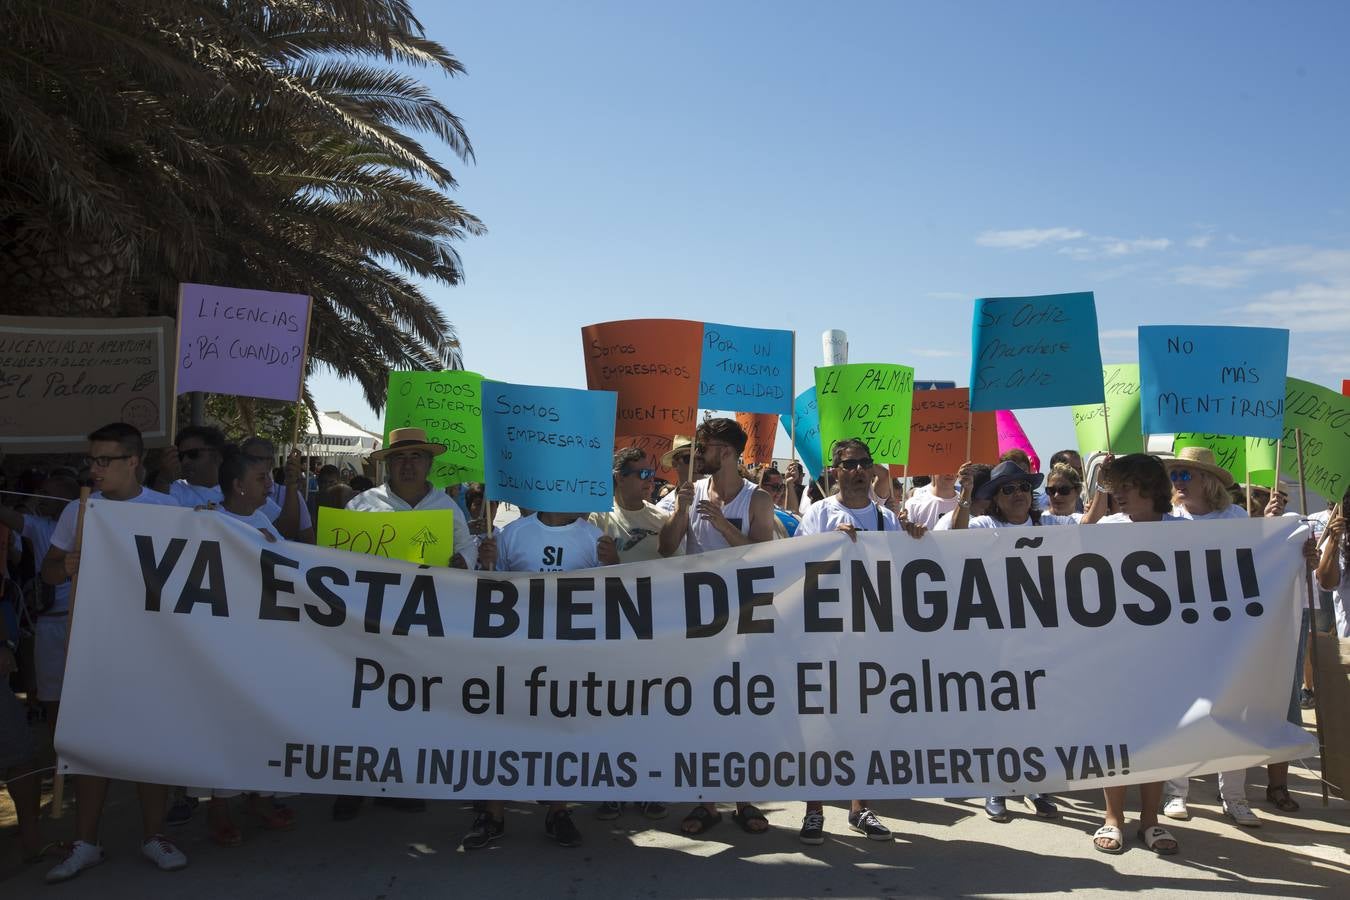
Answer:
(226, 835)
(1109, 833)
(1278, 795)
(1154, 835)
(702, 818)
(274, 817)
(747, 816)
(54, 849)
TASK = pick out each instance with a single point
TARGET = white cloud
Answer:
(1212, 276)
(1200, 241)
(1315, 307)
(1119, 334)
(1027, 238)
(1118, 247)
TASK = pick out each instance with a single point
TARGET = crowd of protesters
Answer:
(714, 502)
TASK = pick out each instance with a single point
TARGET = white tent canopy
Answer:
(336, 438)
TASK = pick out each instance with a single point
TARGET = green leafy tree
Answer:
(253, 144)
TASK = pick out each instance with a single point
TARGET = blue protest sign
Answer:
(808, 430)
(548, 448)
(1214, 379)
(745, 369)
(1031, 352)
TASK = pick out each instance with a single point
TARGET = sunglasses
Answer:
(103, 462)
(1182, 475)
(681, 459)
(194, 453)
(644, 474)
(1061, 490)
(775, 487)
(1017, 487)
(849, 465)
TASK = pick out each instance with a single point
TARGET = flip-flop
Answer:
(44, 852)
(1110, 832)
(750, 813)
(703, 817)
(1155, 833)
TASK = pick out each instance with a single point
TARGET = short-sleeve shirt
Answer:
(1122, 519)
(63, 538)
(1232, 512)
(634, 531)
(830, 513)
(381, 498)
(925, 507)
(257, 519)
(528, 545)
(1046, 519)
(39, 530)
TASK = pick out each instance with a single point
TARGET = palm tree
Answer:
(240, 142)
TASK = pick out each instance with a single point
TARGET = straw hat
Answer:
(680, 442)
(408, 439)
(1201, 459)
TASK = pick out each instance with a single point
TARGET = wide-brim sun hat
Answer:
(680, 442)
(401, 439)
(1201, 458)
(1006, 473)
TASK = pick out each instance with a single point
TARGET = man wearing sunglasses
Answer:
(115, 453)
(850, 510)
(634, 523)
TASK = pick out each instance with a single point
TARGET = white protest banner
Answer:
(962, 664)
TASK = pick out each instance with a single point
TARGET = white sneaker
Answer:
(82, 855)
(1241, 813)
(1175, 808)
(163, 853)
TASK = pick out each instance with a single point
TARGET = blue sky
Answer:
(875, 167)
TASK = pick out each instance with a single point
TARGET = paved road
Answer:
(943, 849)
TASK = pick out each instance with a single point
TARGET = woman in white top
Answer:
(1064, 488)
(1333, 567)
(1009, 491)
(245, 484)
(1142, 493)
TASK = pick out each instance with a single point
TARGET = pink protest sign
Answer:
(1012, 437)
(242, 342)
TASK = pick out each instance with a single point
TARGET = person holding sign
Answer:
(933, 501)
(115, 453)
(634, 523)
(408, 456)
(1333, 567)
(850, 511)
(722, 509)
(1009, 491)
(543, 542)
(1142, 493)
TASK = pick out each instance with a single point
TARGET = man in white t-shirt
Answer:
(850, 510)
(932, 502)
(115, 453)
(634, 523)
(543, 542)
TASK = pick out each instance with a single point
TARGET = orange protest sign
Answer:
(654, 446)
(760, 430)
(653, 364)
(937, 433)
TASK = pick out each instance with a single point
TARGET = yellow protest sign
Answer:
(420, 536)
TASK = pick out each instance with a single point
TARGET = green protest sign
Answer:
(448, 406)
(424, 536)
(1121, 413)
(872, 401)
(1324, 417)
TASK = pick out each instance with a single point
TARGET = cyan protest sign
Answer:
(549, 448)
(808, 430)
(745, 369)
(1213, 379)
(1030, 352)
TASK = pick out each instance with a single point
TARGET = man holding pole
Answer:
(115, 453)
